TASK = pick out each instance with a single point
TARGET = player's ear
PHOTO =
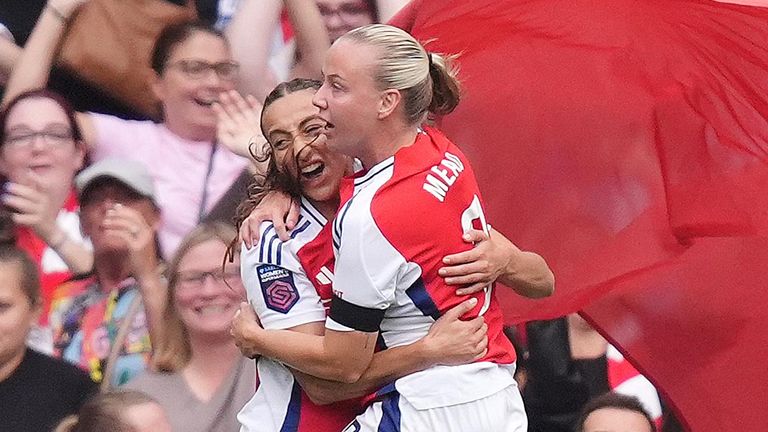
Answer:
(390, 100)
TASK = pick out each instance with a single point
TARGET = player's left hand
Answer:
(244, 325)
(480, 266)
(452, 341)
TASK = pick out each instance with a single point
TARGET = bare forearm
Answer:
(529, 275)
(340, 357)
(388, 8)
(34, 64)
(9, 55)
(153, 295)
(77, 257)
(311, 36)
(386, 367)
(250, 36)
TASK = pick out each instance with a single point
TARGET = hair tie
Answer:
(429, 60)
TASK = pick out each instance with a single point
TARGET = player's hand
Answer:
(480, 266)
(244, 325)
(278, 208)
(451, 341)
(238, 125)
(32, 207)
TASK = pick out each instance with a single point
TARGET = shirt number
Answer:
(472, 213)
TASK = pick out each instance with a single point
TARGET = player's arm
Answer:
(495, 258)
(337, 356)
(450, 341)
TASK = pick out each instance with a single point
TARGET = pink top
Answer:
(178, 168)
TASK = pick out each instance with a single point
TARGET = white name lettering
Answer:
(445, 176)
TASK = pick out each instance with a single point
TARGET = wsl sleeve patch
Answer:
(278, 288)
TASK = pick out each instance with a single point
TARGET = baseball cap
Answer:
(130, 173)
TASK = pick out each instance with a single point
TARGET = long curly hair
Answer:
(274, 178)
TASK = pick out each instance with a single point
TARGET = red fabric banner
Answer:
(627, 142)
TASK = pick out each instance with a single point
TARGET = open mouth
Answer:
(312, 170)
(212, 309)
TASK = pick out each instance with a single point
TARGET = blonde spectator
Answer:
(198, 367)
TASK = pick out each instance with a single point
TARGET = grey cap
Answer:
(131, 173)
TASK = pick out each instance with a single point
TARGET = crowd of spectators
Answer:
(112, 232)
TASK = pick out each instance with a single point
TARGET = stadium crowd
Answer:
(117, 302)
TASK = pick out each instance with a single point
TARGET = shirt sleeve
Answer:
(278, 288)
(366, 273)
(116, 137)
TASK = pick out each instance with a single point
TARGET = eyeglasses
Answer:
(196, 279)
(24, 139)
(346, 10)
(198, 69)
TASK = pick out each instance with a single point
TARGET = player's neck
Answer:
(326, 208)
(386, 142)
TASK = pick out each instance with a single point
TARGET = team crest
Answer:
(278, 288)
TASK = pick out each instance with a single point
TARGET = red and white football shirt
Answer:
(289, 284)
(397, 221)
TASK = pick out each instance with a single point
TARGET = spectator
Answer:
(252, 31)
(18, 17)
(613, 412)
(124, 411)
(102, 321)
(199, 368)
(41, 150)
(36, 391)
(192, 66)
(570, 363)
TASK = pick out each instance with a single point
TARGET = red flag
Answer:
(627, 142)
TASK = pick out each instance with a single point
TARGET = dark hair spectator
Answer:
(103, 321)
(41, 150)
(120, 411)
(611, 409)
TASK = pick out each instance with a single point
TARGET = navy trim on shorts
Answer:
(355, 317)
(390, 413)
(293, 413)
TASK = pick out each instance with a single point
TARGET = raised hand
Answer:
(130, 225)
(32, 207)
(239, 123)
(276, 207)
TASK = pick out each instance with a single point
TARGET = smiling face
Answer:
(291, 123)
(203, 301)
(349, 99)
(187, 93)
(53, 158)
